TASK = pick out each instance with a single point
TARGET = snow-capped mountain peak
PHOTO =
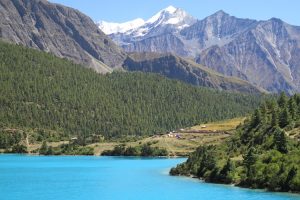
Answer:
(170, 16)
(170, 9)
(111, 27)
(167, 11)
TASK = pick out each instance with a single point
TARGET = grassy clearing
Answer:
(295, 133)
(182, 146)
(188, 139)
(100, 147)
(225, 125)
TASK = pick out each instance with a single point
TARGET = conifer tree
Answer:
(280, 140)
(284, 118)
(257, 118)
(282, 101)
(292, 107)
(291, 175)
(274, 119)
(249, 160)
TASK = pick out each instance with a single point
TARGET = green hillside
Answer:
(264, 152)
(54, 99)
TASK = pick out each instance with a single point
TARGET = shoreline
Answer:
(236, 185)
(36, 154)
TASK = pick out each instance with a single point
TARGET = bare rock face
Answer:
(63, 31)
(266, 55)
(161, 43)
(175, 67)
(217, 29)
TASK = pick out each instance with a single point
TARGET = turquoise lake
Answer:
(109, 178)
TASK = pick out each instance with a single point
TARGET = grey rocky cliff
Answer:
(63, 31)
(266, 55)
(161, 43)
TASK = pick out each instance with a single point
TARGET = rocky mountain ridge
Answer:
(178, 68)
(265, 53)
(166, 22)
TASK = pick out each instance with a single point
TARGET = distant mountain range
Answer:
(265, 53)
(67, 33)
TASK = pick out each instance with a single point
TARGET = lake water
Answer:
(109, 178)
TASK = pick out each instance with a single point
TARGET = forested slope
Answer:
(52, 96)
(264, 152)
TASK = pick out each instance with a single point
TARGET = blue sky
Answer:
(125, 10)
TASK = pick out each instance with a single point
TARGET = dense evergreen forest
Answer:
(264, 152)
(53, 99)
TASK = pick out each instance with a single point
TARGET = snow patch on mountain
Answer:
(111, 27)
